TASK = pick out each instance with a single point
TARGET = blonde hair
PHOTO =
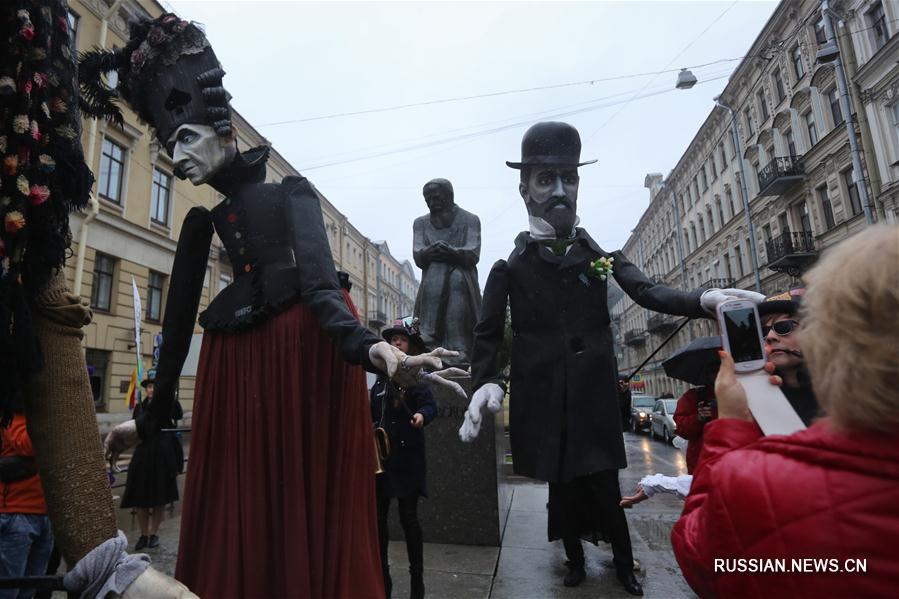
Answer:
(850, 330)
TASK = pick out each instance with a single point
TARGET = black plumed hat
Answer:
(168, 74)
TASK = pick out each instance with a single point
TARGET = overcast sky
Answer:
(287, 61)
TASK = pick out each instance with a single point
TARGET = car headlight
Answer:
(642, 414)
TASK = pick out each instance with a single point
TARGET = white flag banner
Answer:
(137, 313)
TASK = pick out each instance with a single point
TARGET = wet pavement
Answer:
(526, 566)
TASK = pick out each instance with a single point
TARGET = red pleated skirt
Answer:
(279, 499)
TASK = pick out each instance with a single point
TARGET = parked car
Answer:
(641, 406)
(661, 420)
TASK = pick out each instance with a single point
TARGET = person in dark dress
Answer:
(565, 423)
(153, 472)
(403, 412)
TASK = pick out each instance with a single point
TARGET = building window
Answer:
(101, 291)
(798, 67)
(224, 281)
(738, 257)
(720, 211)
(791, 143)
(805, 219)
(704, 178)
(784, 224)
(73, 28)
(702, 228)
(112, 171)
(695, 244)
(161, 197)
(154, 296)
(713, 166)
(766, 233)
(779, 90)
(826, 207)
(855, 205)
(811, 127)
(750, 130)
(723, 157)
(727, 266)
(835, 110)
(878, 22)
(730, 142)
(729, 196)
(711, 219)
(820, 33)
(894, 114)
(763, 104)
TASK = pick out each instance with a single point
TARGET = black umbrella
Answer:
(691, 362)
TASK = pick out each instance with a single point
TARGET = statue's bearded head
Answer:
(438, 195)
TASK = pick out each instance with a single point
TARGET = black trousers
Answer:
(411, 530)
(588, 505)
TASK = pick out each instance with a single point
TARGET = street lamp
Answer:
(738, 148)
(830, 52)
(685, 79)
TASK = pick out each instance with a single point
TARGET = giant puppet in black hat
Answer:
(565, 425)
(280, 423)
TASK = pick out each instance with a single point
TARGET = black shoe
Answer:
(141, 543)
(629, 581)
(154, 542)
(576, 575)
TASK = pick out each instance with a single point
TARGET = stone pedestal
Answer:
(468, 499)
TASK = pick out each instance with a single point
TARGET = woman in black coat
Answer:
(153, 472)
(403, 412)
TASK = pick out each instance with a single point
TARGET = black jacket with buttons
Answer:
(564, 419)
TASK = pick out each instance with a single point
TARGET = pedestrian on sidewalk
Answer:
(403, 412)
(153, 473)
(26, 539)
(696, 408)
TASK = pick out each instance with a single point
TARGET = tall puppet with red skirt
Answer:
(279, 500)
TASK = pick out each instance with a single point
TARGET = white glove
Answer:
(489, 395)
(385, 357)
(123, 437)
(710, 298)
(441, 378)
(155, 584)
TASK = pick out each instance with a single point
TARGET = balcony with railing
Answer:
(634, 337)
(791, 252)
(717, 284)
(780, 175)
(660, 323)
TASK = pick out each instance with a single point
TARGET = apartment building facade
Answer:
(132, 231)
(792, 157)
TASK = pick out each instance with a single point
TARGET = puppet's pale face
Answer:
(551, 194)
(199, 152)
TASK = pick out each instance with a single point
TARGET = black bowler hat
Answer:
(550, 144)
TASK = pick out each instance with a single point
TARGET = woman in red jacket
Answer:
(696, 408)
(813, 513)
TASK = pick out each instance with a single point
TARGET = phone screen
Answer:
(742, 331)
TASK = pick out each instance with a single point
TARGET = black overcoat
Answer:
(564, 419)
(392, 408)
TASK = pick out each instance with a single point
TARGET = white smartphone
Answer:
(741, 334)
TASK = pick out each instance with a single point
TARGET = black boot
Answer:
(576, 574)
(417, 583)
(141, 543)
(629, 581)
